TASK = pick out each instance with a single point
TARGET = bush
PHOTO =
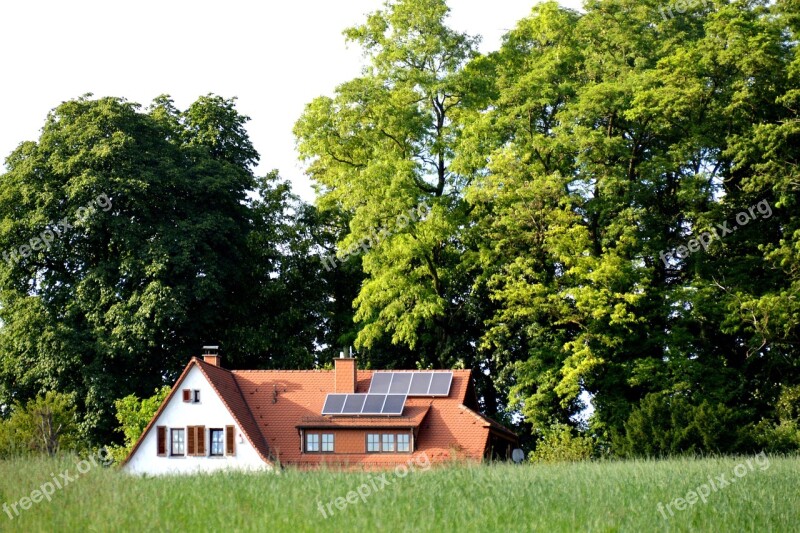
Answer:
(560, 443)
(663, 425)
(782, 436)
(134, 415)
(46, 424)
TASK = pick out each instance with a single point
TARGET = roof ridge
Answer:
(488, 422)
(201, 364)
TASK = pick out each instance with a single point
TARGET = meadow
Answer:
(744, 494)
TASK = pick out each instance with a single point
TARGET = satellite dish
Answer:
(517, 455)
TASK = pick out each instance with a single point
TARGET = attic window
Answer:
(191, 396)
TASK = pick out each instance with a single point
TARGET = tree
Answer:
(132, 242)
(133, 415)
(607, 142)
(381, 152)
(46, 424)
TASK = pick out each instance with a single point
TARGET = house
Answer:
(259, 419)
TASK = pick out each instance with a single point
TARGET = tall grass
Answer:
(592, 496)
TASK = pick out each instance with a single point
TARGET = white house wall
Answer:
(209, 412)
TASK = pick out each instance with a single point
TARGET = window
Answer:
(178, 440)
(386, 443)
(217, 443)
(312, 442)
(191, 396)
(327, 442)
(373, 442)
(403, 443)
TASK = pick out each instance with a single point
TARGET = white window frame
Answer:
(327, 443)
(177, 443)
(312, 442)
(373, 442)
(221, 443)
(404, 441)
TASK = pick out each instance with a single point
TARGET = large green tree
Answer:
(133, 237)
(381, 152)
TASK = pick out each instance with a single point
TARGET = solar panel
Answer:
(420, 384)
(334, 404)
(440, 384)
(353, 404)
(412, 383)
(374, 404)
(364, 404)
(394, 404)
(380, 383)
(401, 381)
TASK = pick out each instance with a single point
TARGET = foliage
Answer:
(133, 415)
(663, 425)
(561, 183)
(46, 425)
(564, 171)
(560, 443)
(159, 240)
(781, 435)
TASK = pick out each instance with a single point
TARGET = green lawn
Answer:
(601, 496)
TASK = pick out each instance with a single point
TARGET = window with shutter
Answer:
(161, 440)
(191, 441)
(217, 442)
(187, 395)
(230, 448)
(178, 438)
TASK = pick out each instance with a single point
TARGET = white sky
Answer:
(274, 56)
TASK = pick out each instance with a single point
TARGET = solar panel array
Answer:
(364, 404)
(411, 383)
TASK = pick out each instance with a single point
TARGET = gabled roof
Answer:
(224, 384)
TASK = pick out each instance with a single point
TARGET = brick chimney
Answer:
(211, 355)
(345, 373)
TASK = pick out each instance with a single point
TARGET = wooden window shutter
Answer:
(201, 440)
(161, 441)
(187, 395)
(191, 441)
(230, 448)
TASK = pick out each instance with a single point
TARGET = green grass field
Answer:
(599, 496)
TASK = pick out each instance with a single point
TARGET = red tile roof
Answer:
(273, 406)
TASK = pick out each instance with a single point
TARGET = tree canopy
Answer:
(598, 218)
